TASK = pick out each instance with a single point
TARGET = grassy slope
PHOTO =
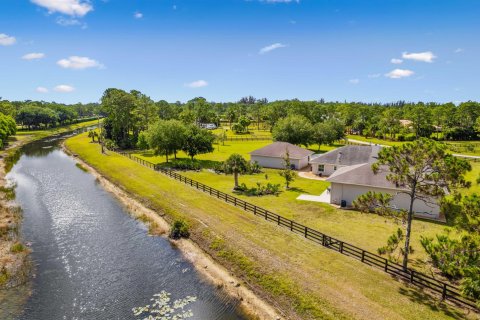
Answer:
(294, 273)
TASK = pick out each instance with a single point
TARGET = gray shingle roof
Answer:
(362, 175)
(349, 155)
(278, 150)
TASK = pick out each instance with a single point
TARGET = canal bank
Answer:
(251, 304)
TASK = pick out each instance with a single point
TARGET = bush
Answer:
(17, 247)
(179, 230)
(260, 189)
(110, 144)
(254, 167)
(184, 164)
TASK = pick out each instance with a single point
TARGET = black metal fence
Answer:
(446, 290)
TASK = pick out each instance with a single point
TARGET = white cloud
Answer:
(33, 56)
(138, 15)
(459, 50)
(68, 22)
(64, 88)
(197, 84)
(354, 81)
(374, 75)
(399, 73)
(76, 8)
(271, 47)
(78, 63)
(41, 90)
(426, 56)
(6, 40)
(396, 61)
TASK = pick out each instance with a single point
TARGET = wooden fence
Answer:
(445, 290)
(249, 138)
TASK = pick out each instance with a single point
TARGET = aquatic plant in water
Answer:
(163, 309)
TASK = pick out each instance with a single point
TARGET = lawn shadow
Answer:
(295, 189)
(418, 296)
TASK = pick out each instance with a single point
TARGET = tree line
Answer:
(40, 114)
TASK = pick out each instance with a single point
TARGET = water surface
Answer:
(93, 261)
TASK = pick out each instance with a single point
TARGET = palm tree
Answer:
(235, 165)
(91, 134)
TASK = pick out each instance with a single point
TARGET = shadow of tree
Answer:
(417, 295)
(295, 189)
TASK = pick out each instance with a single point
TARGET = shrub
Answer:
(17, 247)
(260, 189)
(254, 167)
(184, 164)
(179, 230)
(110, 144)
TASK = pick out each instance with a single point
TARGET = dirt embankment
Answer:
(15, 265)
(251, 304)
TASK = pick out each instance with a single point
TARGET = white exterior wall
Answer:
(349, 193)
(278, 163)
(328, 169)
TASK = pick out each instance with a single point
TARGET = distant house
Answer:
(328, 163)
(348, 183)
(272, 156)
(209, 126)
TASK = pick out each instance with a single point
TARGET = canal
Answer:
(91, 259)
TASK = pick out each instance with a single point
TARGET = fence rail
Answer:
(251, 138)
(446, 290)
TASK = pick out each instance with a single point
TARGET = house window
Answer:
(321, 167)
(334, 168)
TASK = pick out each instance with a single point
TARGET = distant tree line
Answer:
(40, 114)
(295, 121)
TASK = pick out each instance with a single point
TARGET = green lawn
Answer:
(287, 269)
(472, 177)
(375, 140)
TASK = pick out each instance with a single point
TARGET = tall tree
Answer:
(197, 141)
(423, 170)
(293, 129)
(166, 137)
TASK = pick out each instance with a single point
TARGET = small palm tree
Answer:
(235, 165)
(91, 134)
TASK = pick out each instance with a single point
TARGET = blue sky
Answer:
(72, 50)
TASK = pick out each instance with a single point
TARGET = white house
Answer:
(348, 183)
(272, 156)
(326, 164)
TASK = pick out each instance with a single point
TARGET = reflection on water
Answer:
(93, 261)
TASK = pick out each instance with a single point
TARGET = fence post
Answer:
(341, 247)
(386, 265)
(235, 202)
(306, 231)
(291, 225)
(363, 255)
(411, 275)
(444, 293)
(245, 205)
(254, 210)
(278, 220)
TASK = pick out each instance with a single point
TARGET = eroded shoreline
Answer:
(252, 305)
